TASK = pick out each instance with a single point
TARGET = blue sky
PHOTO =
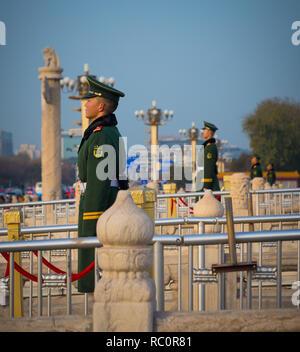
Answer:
(206, 60)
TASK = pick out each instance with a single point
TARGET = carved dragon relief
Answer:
(52, 63)
(51, 58)
(46, 91)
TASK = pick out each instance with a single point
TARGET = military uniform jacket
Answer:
(256, 171)
(99, 194)
(210, 179)
(271, 177)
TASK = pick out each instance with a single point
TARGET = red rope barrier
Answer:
(25, 273)
(7, 270)
(183, 202)
(20, 269)
(172, 205)
(59, 271)
(83, 272)
(49, 265)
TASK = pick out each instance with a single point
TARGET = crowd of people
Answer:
(17, 195)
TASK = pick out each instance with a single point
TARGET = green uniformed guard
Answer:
(210, 179)
(255, 168)
(97, 193)
(271, 174)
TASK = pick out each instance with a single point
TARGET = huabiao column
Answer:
(50, 76)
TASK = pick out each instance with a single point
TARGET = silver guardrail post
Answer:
(159, 275)
(40, 285)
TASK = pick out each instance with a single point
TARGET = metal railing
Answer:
(198, 275)
(273, 201)
(183, 203)
(63, 280)
(264, 238)
(37, 211)
(277, 201)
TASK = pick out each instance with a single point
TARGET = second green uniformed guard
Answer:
(210, 179)
(271, 174)
(97, 194)
(255, 168)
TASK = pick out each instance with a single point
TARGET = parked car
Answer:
(38, 188)
(30, 191)
(68, 192)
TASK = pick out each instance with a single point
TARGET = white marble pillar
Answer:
(125, 295)
(239, 191)
(50, 76)
(209, 206)
(258, 183)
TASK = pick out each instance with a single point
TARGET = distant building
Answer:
(229, 152)
(70, 141)
(6, 144)
(29, 149)
(170, 140)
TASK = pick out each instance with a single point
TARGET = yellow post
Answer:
(137, 196)
(149, 204)
(171, 203)
(145, 199)
(226, 179)
(13, 220)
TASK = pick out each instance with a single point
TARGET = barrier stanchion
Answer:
(145, 199)
(171, 208)
(13, 220)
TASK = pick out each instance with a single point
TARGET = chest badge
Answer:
(98, 152)
(209, 156)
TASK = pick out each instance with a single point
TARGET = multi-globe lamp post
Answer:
(81, 86)
(154, 118)
(192, 135)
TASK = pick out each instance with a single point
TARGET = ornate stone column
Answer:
(125, 295)
(50, 76)
(209, 206)
(258, 183)
(239, 191)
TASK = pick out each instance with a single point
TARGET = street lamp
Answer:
(192, 135)
(82, 87)
(154, 118)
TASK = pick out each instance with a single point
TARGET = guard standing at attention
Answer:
(271, 174)
(255, 168)
(97, 193)
(210, 179)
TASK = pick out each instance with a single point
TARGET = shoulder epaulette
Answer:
(99, 128)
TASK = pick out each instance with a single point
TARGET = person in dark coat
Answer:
(256, 170)
(99, 184)
(271, 174)
(210, 179)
